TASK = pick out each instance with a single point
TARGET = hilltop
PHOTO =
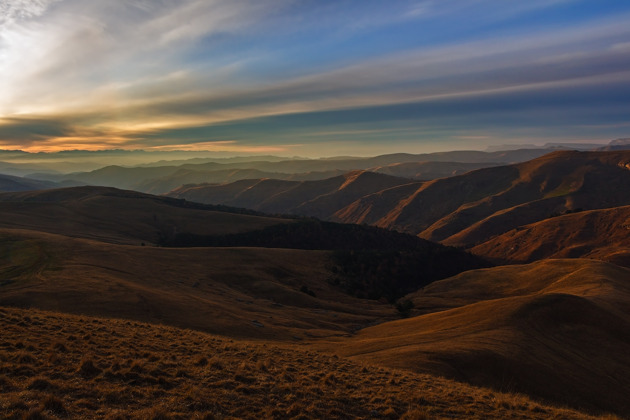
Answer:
(120, 216)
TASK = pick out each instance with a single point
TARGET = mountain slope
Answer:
(462, 210)
(601, 234)
(119, 216)
(557, 329)
(471, 208)
(313, 198)
(10, 183)
(424, 171)
(165, 177)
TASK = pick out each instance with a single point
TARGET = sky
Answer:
(311, 77)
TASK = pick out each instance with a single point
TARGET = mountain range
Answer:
(495, 286)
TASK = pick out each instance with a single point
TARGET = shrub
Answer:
(404, 307)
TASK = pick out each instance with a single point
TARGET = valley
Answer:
(256, 291)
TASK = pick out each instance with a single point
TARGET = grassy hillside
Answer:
(557, 329)
(54, 365)
(118, 216)
(243, 292)
(601, 234)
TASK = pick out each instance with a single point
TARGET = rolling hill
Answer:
(600, 234)
(462, 210)
(556, 329)
(119, 216)
(79, 250)
(426, 171)
(238, 292)
(469, 209)
(79, 367)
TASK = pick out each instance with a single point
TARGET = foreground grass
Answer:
(63, 366)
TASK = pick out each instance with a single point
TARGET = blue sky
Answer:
(311, 78)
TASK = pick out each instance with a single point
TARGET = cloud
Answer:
(171, 73)
(13, 10)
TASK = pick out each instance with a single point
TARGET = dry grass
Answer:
(117, 369)
(555, 329)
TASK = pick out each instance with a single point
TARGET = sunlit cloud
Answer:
(191, 74)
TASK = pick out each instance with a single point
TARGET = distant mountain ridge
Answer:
(10, 183)
(161, 179)
(461, 210)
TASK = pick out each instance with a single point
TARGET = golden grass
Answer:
(54, 365)
(556, 329)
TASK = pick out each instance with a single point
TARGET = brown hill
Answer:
(62, 366)
(462, 210)
(244, 292)
(557, 329)
(319, 198)
(471, 208)
(600, 234)
(118, 216)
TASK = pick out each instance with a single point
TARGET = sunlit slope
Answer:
(321, 198)
(462, 210)
(601, 234)
(82, 367)
(240, 292)
(118, 216)
(471, 208)
(556, 329)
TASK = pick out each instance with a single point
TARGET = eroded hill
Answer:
(600, 234)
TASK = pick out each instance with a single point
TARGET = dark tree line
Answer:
(367, 262)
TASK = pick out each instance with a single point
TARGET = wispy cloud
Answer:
(13, 10)
(169, 74)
